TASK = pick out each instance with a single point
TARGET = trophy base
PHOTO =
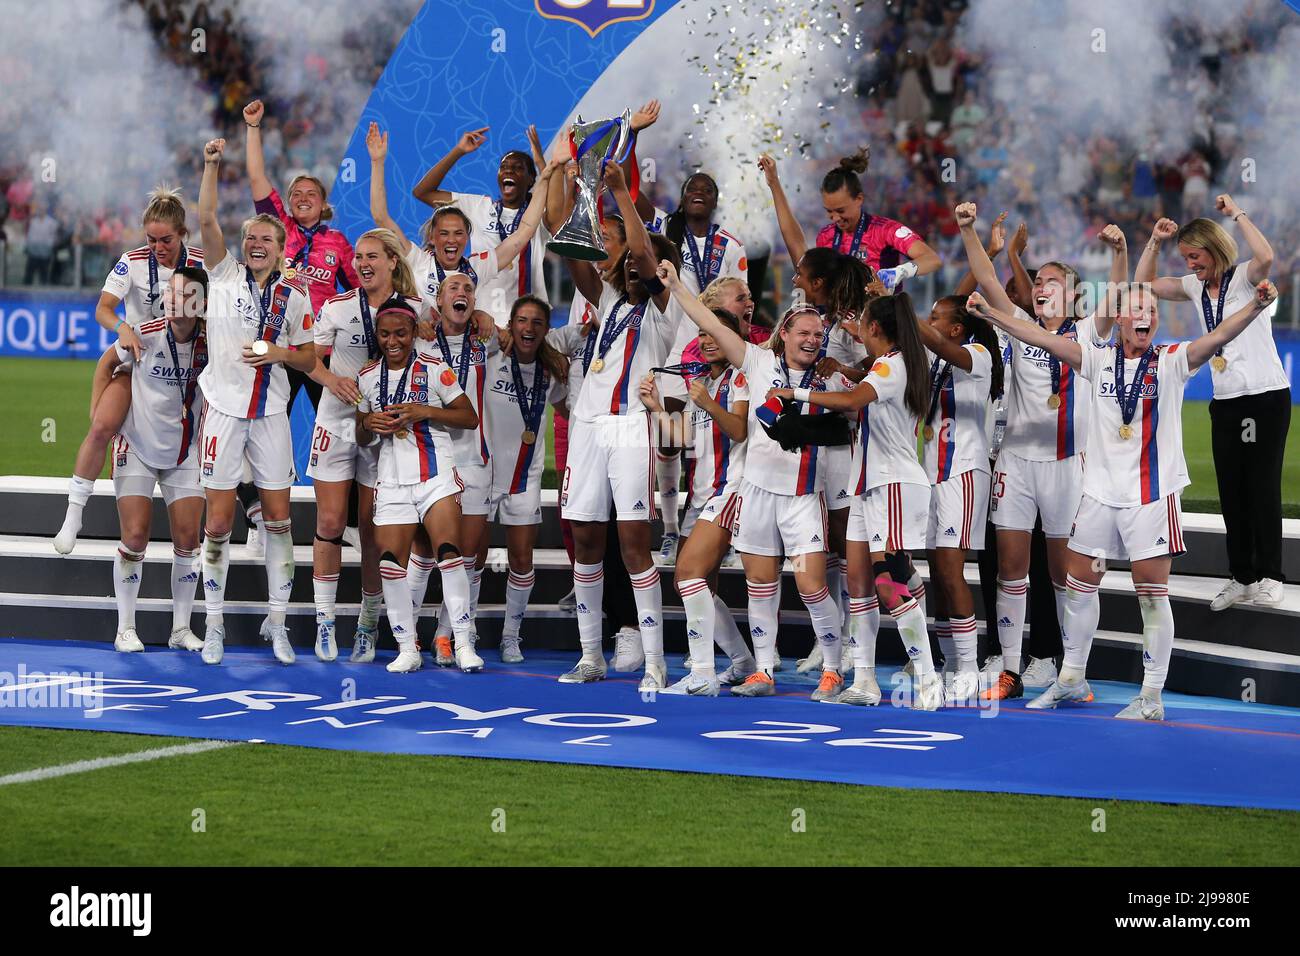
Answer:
(575, 249)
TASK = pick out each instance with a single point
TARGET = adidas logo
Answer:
(756, 632)
(1161, 541)
(875, 537)
(692, 634)
(464, 619)
(842, 495)
(212, 585)
(639, 506)
(816, 539)
(190, 578)
(158, 354)
(287, 586)
(398, 629)
(913, 651)
(581, 608)
(951, 532)
(1004, 622)
(353, 321)
(648, 621)
(668, 493)
(1146, 658)
(828, 638)
(133, 578)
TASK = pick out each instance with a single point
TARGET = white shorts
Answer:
(721, 509)
(1143, 531)
(958, 512)
(1023, 490)
(522, 508)
(610, 462)
(770, 524)
(837, 460)
(133, 478)
(477, 481)
(408, 504)
(337, 457)
(891, 517)
(225, 440)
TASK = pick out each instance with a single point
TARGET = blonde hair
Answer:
(1209, 235)
(403, 277)
(777, 341)
(713, 292)
(263, 219)
(1072, 281)
(166, 206)
(326, 210)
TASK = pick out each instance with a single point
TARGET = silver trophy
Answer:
(593, 145)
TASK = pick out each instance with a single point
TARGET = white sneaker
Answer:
(584, 672)
(930, 694)
(732, 560)
(214, 644)
(510, 653)
(280, 645)
(668, 549)
(363, 646)
(696, 685)
(1269, 593)
(264, 629)
(128, 642)
(829, 687)
(993, 667)
(408, 659)
(864, 692)
(568, 603)
(686, 661)
(963, 688)
(467, 659)
(1142, 707)
(628, 653)
(254, 546)
(66, 539)
(737, 673)
(183, 639)
(1059, 692)
(1041, 672)
(813, 662)
(326, 649)
(655, 677)
(1233, 593)
(777, 663)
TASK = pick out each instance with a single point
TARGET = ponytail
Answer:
(898, 322)
(979, 331)
(845, 175)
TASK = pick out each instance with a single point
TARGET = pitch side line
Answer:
(99, 763)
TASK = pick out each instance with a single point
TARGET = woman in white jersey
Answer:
(891, 507)
(1136, 471)
(345, 329)
(156, 446)
(258, 322)
(1040, 465)
(782, 510)
(136, 283)
(718, 419)
(519, 386)
(409, 400)
(1251, 411)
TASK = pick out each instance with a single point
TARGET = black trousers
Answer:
(1044, 629)
(1249, 440)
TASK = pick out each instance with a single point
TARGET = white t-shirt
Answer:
(1149, 465)
(469, 363)
(716, 461)
(1253, 363)
(843, 347)
(516, 466)
(1035, 430)
(960, 441)
(724, 257)
(426, 450)
(574, 341)
(887, 439)
(643, 344)
(527, 273)
(233, 319)
(162, 422)
(429, 273)
(129, 281)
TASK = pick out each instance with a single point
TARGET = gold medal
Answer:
(261, 347)
(1218, 363)
(402, 433)
(289, 272)
(597, 365)
(1053, 401)
(928, 433)
(1126, 432)
(529, 437)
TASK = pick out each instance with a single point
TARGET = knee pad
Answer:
(891, 576)
(447, 551)
(338, 540)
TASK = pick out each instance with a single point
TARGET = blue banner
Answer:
(51, 325)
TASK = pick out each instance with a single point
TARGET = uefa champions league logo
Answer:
(594, 15)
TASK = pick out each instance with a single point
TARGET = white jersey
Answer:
(492, 223)
(1149, 464)
(720, 254)
(957, 439)
(467, 355)
(1037, 431)
(995, 424)
(234, 320)
(429, 272)
(578, 342)
(129, 281)
(162, 421)
(348, 330)
(886, 450)
(1253, 363)
(426, 451)
(843, 347)
(612, 383)
(716, 461)
(767, 464)
(582, 309)
(516, 465)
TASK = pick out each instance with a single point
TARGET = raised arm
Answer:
(638, 239)
(950, 350)
(1068, 351)
(642, 119)
(214, 244)
(253, 159)
(732, 345)
(1022, 287)
(997, 240)
(377, 147)
(1104, 318)
(559, 190)
(1166, 287)
(1200, 350)
(1261, 253)
(515, 242)
(981, 266)
(796, 243)
(429, 189)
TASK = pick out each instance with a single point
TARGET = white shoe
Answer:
(930, 694)
(352, 536)
(655, 677)
(732, 560)
(467, 659)
(568, 603)
(326, 649)
(963, 688)
(128, 642)
(864, 692)
(737, 673)
(585, 672)
(1233, 593)
(254, 546)
(214, 644)
(1142, 707)
(66, 539)
(408, 659)
(829, 687)
(510, 653)
(909, 670)
(686, 661)
(280, 645)
(668, 549)
(628, 653)
(696, 685)
(264, 629)
(1041, 672)
(777, 663)
(1059, 692)
(993, 667)
(363, 646)
(183, 639)
(813, 662)
(1269, 593)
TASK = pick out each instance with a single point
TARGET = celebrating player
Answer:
(258, 323)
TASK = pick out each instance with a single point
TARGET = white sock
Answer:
(727, 635)
(253, 514)
(1157, 636)
(79, 491)
(589, 592)
(835, 582)
(519, 588)
(701, 615)
(397, 599)
(668, 477)
(943, 636)
(455, 592)
(325, 590)
(418, 569)
(966, 638)
(650, 613)
(1012, 598)
(764, 605)
(824, 614)
(216, 561)
(1058, 592)
(475, 584)
(127, 568)
(184, 579)
(916, 641)
(443, 627)
(279, 568)
(1082, 611)
(864, 624)
(370, 605)
(917, 587)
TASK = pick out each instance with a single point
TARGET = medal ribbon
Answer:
(685, 369)
(466, 343)
(302, 255)
(702, 265)
(263, 298)
(1128, 398)
(614, 327)
(399, 395)
(1212, 318)
(939, 378)
(1054, 363)
(857, 235)
(532, 403)
(368, 326)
